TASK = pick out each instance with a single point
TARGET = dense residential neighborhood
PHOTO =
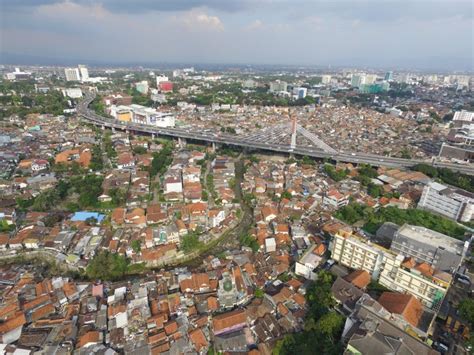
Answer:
(113, 241)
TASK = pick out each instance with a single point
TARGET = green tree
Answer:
(259, 293)
(374, 190)
(139, 150)
(118, 196)
(466, 310)
(190, 242)
(336, 175)
(136, 245)
(46, 200)
(96, 163)
(107, 266)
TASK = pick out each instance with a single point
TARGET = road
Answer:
(252, 143)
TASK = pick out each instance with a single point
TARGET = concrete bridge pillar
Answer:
(103, 127)
(113, 129)
(153, 136)
(181, 142)
(214, 146)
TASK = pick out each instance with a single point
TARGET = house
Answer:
(8, 215)
(191, 174)
(192, 191)
(196, 283)
(309, 262)
(173, 184)
(215, 217)
(125, 160)
(118, 217)
(154, 214)
(136, 217)
(402, 305)
(195, 212)
(39, 165)
(10, 329)
(81, 156)
(270, 245)
(90, 338)
(182, 230)
(199, 340)
(229, 322)
(346, 294)
(359, 278)
(336, 199)
(269, 213)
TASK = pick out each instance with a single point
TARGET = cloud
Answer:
(368, 32)
(197, 19)
(142, 6)
(254, 25)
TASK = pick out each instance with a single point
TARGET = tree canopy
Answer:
(373, 219)
(107, 266)
(323, 326)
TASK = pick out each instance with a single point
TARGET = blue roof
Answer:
(82, 216)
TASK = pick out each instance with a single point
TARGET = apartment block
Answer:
(442, 252)
(357, 253)
(392, 270)
(453, 203)
(425, 283)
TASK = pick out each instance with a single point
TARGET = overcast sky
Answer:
(379, 33)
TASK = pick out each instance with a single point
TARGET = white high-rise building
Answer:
(453, 203)
(370, 78)
(466, 116)
(392, 270)
(83, 72)
(325, 79)
(357, 80)
(160, 79)
(72, 74)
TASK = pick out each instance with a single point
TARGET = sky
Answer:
(421, 34)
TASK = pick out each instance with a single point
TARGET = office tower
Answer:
(72, 74)
(388, 76)
(83, 72)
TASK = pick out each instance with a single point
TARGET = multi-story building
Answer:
(160, 79)
(388, 76)
(357, 80)
(391, 270)
(148, 115)
(121, 113)
(278, 86)
(421, 280)
(453, 203)
(463, 116)
(83, 72)
(424, 245)
(357, 253)
(72, 74)
(325, 79)
(142, 87)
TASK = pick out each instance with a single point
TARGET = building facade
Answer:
(391, 270)
(456, 204)
(424, 245)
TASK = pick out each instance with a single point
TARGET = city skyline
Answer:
(420, 34)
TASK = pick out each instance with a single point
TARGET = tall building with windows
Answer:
(424, 245)
(278, 86)
(388, 76)
(394, 271)
(72, 74)
(84, 72)
(357, 80)
(453, 203)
